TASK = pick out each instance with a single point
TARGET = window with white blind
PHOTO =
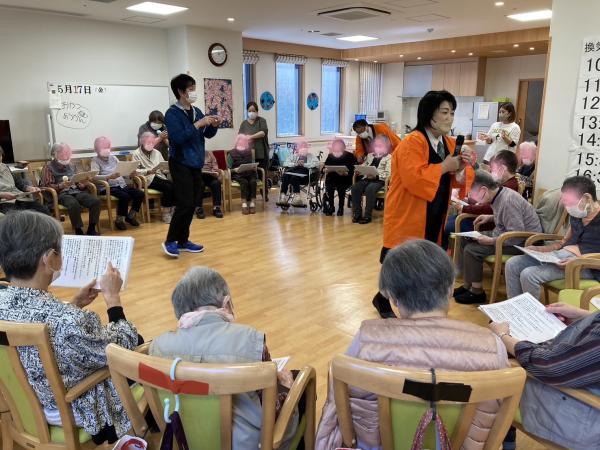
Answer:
(331, 99)
(288, 101)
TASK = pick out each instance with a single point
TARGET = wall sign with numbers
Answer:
(585, 150)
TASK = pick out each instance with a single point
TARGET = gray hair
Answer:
(56, 148)
(485, 179)
(25, 236)
(144, 135)
(417, 276)
(200, 286)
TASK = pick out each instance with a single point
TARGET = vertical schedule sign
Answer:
(584, 156)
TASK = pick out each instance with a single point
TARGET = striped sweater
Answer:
(571, 359)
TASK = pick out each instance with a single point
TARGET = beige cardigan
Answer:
(440, 343)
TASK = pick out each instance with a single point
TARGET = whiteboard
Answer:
(81, 112)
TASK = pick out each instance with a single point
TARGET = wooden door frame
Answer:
(524, 97)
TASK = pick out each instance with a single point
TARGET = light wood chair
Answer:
(399, 412)
(22, 416)
(381, 193)
(261, 182)
(207, 415)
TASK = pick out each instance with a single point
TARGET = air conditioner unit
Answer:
(354, 13)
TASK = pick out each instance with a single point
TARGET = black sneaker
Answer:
(365, 220)
(120, 225)
(200, 213)
(132, 221)
(340, 212)
(459, 291)
(356, 218)
(217, 213)
(469, 298)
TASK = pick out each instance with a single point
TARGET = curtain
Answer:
(334, 62)
(370, 80)
(291, 59)
(250, 57)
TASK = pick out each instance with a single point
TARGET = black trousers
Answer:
(21, 205)
(336, 182)
(247, 184)
(369, 189)
(75, 202)
(125, 195)
(166, 188)
(294, 180)
(187, 186)
(214, 185)
(379, 299)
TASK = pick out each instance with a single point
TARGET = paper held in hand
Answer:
(124, 168)
(469, 234)
(162, 167)
(459, 201)
(337, 169)
(86, 257)
(281, 362)
(540, 256)
(83, 176)
(527, 318)
(596, 302)
(366, 171)
(247, 167)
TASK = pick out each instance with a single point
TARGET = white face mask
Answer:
(156, 126)
(364, 135)
(55, 273)
(574, 211)
(444, 128)
(252, 115)
(192, 96)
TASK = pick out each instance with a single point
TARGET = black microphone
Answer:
(460, 140)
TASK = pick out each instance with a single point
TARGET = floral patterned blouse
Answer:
(78, 339)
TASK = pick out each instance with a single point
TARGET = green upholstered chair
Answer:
(399, 412)
(206, 392)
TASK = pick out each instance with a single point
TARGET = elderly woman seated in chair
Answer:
(417, 277)
(570, 360)
(57, 174)
(207, 332)
(301, 166)
(30, 255)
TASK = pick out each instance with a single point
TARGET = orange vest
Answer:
(380, 129)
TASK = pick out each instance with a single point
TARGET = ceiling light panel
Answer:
(162, 9)
(544, 14)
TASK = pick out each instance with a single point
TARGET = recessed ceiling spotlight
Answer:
(515, 45)
(470, 53)
(499, 4)
(355, 59)
(313, 31)
(230, 19)
(375, 61)
(401, 56)
(532, 15)
(452, 51)
(156, 8)
(419, 58)
(531, 48)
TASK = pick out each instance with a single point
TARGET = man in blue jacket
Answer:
(188, 127)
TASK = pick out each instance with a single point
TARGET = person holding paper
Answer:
(366, 132)
(241, 154)
(30, 255)
(525, 274)
(511, 212)
(425, 169)
(106, 165)
(57, 174)
(417, 276)
(13, 192)
(156, 126)
(503, 167)
(149, 158)
(255, 127)
(380, 158)
(207, 331)
(570, 360)
(211, 177)
(503, 135)
(335, 181)
(301, 166)
(188, 129)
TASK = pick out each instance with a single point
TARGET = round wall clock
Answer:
(217, 53)
(266, 100)
(312, 101)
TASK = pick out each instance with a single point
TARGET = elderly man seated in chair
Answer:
(511, 212)
(525, 274)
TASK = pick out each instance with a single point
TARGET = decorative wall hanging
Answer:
(218, 100)
(266, 100)
(312, 101)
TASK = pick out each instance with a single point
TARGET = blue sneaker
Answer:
(189, 246)
(171, 249)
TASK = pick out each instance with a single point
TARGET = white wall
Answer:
(198, 41)
(503, 74)
(38, 48)
(391, 95)
(571, 23)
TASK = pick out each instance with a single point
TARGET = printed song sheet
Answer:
(527, 318)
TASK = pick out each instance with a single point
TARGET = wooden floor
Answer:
(304, 279)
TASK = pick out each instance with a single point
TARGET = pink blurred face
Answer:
(64, 154)
(102, 146)
(337, 149)
(242, 143)
(148, 143)
(527, 153)
(379, 148)
(569, 198)
(303, 149)
(497, 170)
